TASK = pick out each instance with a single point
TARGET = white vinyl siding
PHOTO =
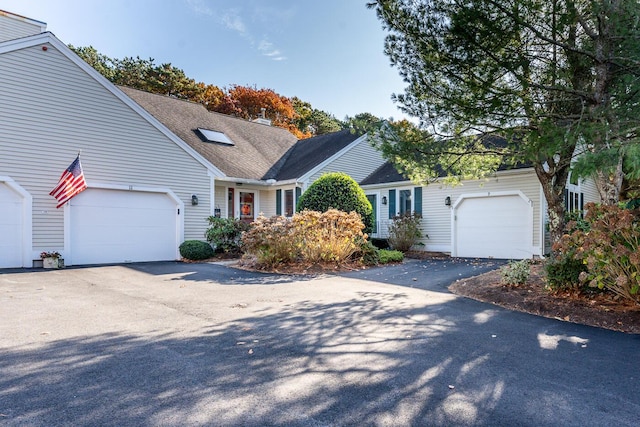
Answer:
(221, 195)
(52, 109)
(15, 27)
(588, 187)
(359, 161)
(267, 203)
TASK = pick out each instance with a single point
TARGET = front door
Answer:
(247, 206)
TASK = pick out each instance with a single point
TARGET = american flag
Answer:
(71, 183)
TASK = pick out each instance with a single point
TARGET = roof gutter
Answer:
(258, 182)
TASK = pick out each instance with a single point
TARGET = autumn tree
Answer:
(251, 103)
(546, 76)
(211, 96)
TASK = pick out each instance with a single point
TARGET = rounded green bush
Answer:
(387, 256)
(195, 250)
(563, 272)
(339, 191)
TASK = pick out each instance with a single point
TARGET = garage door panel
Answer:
(111, 226)
(493, 227)
(10, 227)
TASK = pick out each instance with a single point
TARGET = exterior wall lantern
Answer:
(194, 199)
(384, 200)
(447, 201)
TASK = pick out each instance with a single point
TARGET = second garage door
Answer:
(113, 226)
(493, 227)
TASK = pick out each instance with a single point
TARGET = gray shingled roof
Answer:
(385, 174)
(257, 147)
(308, 153)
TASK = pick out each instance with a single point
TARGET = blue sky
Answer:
(326, 52)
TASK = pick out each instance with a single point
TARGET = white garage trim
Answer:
(27, 254)
(68, 249)
(529, 220)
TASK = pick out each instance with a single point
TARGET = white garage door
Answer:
(10, 227)
(111, 226)
(494, 227)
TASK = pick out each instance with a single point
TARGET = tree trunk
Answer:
(609, 185)
(553, 185)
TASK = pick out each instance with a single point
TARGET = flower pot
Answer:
(50, 262)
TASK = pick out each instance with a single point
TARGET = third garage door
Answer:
(493, 227)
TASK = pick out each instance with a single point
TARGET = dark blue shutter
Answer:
(392, 203)
(417, 200)
(278, 202)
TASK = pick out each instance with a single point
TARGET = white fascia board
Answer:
(48, 37)
(337, 155)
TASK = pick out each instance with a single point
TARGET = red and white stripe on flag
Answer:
(71, 183)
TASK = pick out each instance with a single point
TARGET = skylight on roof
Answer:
(215, 136)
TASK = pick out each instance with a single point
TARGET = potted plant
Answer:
(50, 259)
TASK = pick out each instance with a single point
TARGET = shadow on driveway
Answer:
(430, 274)
(376, 359)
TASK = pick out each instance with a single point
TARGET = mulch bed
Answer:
(594, 309)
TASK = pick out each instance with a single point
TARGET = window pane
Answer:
(230, 206)
(405, 202)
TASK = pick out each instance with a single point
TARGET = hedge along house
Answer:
(502, 216)
(265, 169)
(141, 178)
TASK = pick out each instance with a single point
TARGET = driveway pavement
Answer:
(166, 344)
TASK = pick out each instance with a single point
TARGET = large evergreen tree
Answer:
(546, 75)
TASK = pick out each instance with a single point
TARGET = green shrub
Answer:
(225, 233)
(195, 250)
(387, 256)
(339, 191)
(404, 231)
(563, 272)
(516, 272)
(367, 253)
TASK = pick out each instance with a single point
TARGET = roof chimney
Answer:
(262, 119)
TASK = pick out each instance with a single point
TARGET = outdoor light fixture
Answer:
(384, 200)
(194, 199)
(447, 201)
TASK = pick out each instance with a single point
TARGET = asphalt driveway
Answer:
(202, 344)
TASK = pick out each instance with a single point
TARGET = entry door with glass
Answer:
(247, 206)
